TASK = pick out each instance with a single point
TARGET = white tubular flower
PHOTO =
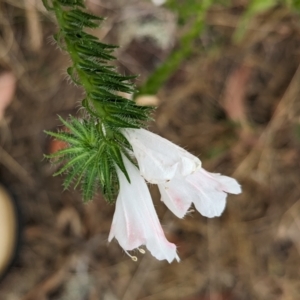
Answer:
(158, 158)
(206, 190)
(135, 221)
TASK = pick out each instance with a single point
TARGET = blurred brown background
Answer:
(234, 102)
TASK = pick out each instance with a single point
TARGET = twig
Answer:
(34, 25)
(14, 167)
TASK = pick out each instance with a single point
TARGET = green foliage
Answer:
(90, 157)
(91, 70)
(94, 146)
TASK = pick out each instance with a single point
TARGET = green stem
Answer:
(83, 78)
(71, 50)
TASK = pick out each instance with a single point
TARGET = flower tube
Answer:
(135, 222)
(158, 158)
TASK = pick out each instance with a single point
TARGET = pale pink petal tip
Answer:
(212, 191)
(177, 196)
(228, 184)
(208, 192)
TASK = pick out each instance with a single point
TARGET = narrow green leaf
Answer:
(75, 160)
(85, 166)
(64, 136)
(71, 73)
(115, 153)
(105, 170)
(88, 50)
(73, 172)
(80, 127)
(119, 122)
(65, 152)
(88, 186)
(73, 129)
(83, 15)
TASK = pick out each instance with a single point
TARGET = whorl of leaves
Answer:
(89, 158)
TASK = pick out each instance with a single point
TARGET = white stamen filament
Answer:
(134, 258)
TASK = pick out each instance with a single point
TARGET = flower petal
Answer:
(177, 195)
(206, 190)
(212, 190)
(226, 184)
(135, 221)
(158, 158)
